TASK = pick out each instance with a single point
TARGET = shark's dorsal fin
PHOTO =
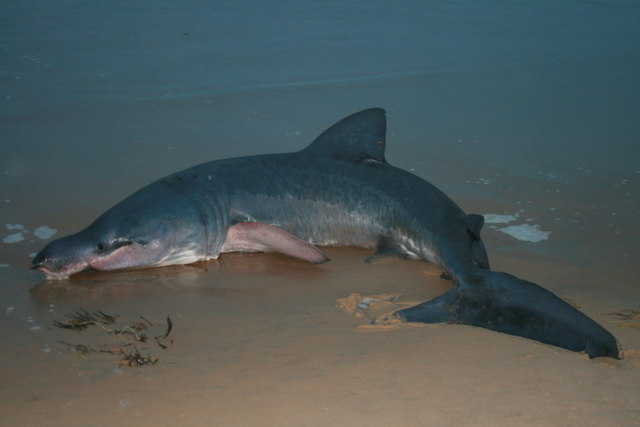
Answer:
(361, 137)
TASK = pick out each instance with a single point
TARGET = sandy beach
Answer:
(524, 111)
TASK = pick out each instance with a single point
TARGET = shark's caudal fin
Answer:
(504, 303)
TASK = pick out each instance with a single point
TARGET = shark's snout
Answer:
(58, 260)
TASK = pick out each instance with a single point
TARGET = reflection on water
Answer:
(234, 273)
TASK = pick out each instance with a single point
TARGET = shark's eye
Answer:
(100, 247)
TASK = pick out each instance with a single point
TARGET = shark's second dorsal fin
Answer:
(361, 136)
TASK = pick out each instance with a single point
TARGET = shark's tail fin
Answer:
(504, 303)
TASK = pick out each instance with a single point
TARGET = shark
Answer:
(338, 191)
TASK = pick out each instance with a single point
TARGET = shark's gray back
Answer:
(338, 191)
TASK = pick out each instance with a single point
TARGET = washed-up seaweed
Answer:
(630, 316)
(80, 348)
(136, 331)
(164, 337)
(132, 358)
(82, 319)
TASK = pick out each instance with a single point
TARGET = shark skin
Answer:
(339, 191)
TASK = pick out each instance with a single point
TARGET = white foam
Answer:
(14, 226)
(526, 232)
(499, 219)
(13, 238)
(44, 232)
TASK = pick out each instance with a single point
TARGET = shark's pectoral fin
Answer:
(258, 237)
(504, 303)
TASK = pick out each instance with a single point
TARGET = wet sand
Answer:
(509, 121)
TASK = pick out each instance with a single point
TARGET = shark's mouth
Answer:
(61, 273)
(126, 256)
(121, 258)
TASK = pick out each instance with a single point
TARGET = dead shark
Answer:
(338, 191)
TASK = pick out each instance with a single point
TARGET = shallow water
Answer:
(526, 108)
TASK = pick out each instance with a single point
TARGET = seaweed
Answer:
(631, 317)
(136, 331)
(133, 358)
(159, 338)
(82, 319)
(80, 348)
(626, 314)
